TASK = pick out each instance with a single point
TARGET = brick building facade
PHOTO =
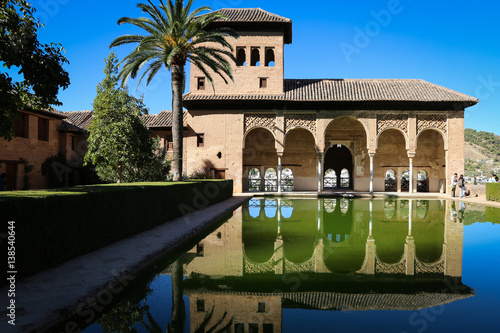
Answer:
(268, 133)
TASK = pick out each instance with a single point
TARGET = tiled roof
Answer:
(76, 121)
(50, 111)
(250, 15)
(351, 90)
(254, 17)
(161, 120)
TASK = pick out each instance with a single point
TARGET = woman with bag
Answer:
(461, 185)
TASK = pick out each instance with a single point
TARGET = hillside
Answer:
(482, 153)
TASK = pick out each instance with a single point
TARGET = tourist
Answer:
(495, 178)
(461, 185)
(454, 180)
(3, 182)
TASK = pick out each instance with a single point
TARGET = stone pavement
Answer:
(42, 299)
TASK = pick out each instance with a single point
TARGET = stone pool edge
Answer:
(94, 277)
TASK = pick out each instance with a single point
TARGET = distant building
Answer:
(324, 133)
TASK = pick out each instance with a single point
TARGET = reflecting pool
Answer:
(317, 265)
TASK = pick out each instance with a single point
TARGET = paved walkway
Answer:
(42, 299)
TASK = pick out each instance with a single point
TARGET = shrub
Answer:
(53, 226)
(493, 191)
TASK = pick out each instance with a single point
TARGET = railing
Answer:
(330, 182)
(254, 185)
(390, 185)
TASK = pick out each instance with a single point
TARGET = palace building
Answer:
(268, 133)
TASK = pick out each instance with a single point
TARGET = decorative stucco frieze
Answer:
(265, 120)
(425, 121)
(399, 121)
(307, 120)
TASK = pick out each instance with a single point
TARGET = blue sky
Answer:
(455, 44)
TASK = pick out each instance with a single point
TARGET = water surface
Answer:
(346, 265)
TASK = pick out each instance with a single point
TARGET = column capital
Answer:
(411, 154)
(371, 153)
(280, 154)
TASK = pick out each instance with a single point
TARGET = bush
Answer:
(53, 226)
(493, 191)
(492, 215)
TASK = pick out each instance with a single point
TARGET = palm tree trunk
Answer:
(177, 117)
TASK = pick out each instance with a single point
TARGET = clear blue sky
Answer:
(455, 44)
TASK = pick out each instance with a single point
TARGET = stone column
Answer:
(279, 171)
(411, 155)
(320, 171)
(372, 155)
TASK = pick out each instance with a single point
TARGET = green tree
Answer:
(176, 35)
(40, 65)
(119, 143)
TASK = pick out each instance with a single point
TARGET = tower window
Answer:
(21, 126)
(261, 307)
(241, 56)
(200, 140)
(255, 61)
(43, 129)
(270, 57)
(262, 82)
(201, 83)
(200, 305)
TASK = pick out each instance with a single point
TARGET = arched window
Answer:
(269, 57)
(344, 205)
(254, 207)
(270, 180)
(287, 180)
(422, 181)
(422, 209)
(344, 178)
(389, 209)
(286, 208)
(270, 208)
(329, 205)
(241, 56)
(405, 180)
(255, 58)
(405, 209)
(330, 179)
(390, 181)
(254, 180)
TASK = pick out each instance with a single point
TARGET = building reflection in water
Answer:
(328, 254)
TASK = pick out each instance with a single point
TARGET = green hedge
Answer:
(493, 191)
(492, 215)
(53, 226)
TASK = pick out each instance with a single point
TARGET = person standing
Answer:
(454, 180)
(461, 185)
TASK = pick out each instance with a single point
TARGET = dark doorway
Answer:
(11, 171)
(339, 159)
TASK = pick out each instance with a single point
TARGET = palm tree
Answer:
(176, 35)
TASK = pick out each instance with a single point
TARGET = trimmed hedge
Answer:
(493, 191)
(53, 226)
(492, 214)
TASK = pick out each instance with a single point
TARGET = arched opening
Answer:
(270, 208)
(270, 180)
(287, 180)
(259, 153)
(329, 205)
(390, 181)
(347, 141)
(422, 181)
(300, 154)
(255, 57)
(422, 208)
(286, 208)
(241, 56)
(431, 156)
(339, 159)
(405, 180)
(269, 57)
(254, 180)
(254, 208)
(330, 179)
(389, 209)
(391, 155)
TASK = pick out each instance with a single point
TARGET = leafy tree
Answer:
(174, 36)
(119, 144)
(39, 64)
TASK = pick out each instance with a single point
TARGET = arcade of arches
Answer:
(357, 151)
